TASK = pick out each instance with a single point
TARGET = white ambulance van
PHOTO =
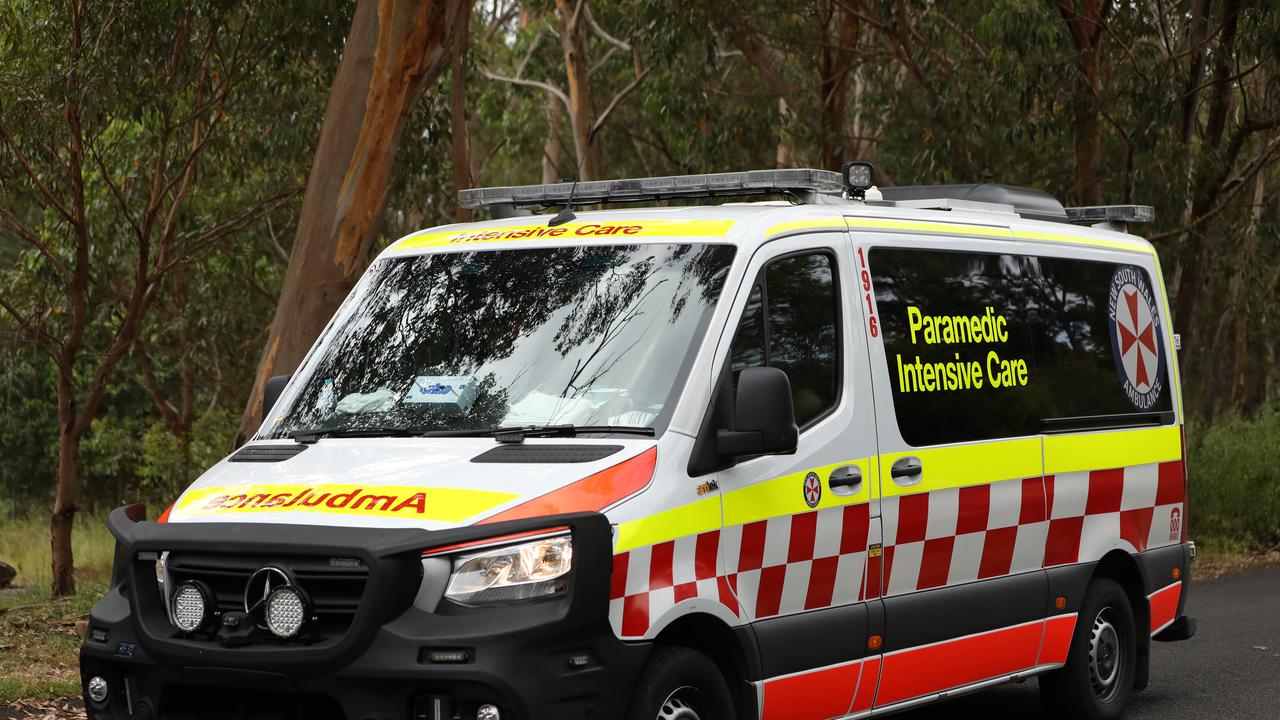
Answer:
(830, 456)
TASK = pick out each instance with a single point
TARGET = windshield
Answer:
(591, 336)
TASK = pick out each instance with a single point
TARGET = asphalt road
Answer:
(1230, 669)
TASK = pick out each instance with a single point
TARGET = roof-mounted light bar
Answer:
(801, 182)
(1094, 214)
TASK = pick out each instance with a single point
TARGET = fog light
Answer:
(487, 712)
(98, 689)
(191, 605)
(287, 610)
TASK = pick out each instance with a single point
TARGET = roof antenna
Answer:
(566, 213)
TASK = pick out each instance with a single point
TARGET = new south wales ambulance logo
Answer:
(1135, 337)
(812, 489)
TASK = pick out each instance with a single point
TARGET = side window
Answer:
(957, 345)
(790, 322)
(1098, 339)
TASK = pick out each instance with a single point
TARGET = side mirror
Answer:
(271, 392)
(764, 421)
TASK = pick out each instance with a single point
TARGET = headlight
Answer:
(511, 574)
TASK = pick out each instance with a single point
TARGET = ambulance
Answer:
(767, 444)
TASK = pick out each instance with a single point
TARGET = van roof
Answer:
(749, 225)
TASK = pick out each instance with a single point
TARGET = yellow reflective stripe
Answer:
(829, 223)
(394, 501)
(574, 231)
(1083, 240)
(785, 495)
(955, 466)
(1170, 351)
(1111, 449)
(696, 517)
(862, 223)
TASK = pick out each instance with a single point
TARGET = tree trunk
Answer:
(64, 514)
(1086, 22)
(459, 123)
(838, 59)
(394, 50)
(552, 149)
(573, 40)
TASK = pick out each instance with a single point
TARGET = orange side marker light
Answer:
(875, 642)
(1060, 603)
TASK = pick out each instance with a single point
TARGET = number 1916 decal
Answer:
(865, 280)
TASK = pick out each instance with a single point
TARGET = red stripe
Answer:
(751, 555)
(1063, 543)
(822, 582)
(618, 583)
(867, 683)
(164, 516)
(913, 518)
(704, 555)
(935, 562)
(975, 509)
(1164, 606)
(592, 493)
(769, 594)
(1057, 639)
(635, 615)
(1135, 526)
(853, 530)
(686, 591)
(997, 552)
(1171, 483)
(660, 562)
(933, 668)
(814, 695)
(804, 528)
(1034, 509)
(1105, 489)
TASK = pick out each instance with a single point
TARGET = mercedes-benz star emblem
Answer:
(260, 585)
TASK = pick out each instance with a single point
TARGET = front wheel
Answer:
(680, 683)
(1098, 677)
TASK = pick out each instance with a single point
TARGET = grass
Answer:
(39, 639)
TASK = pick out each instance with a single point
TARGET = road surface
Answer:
(1230, 669)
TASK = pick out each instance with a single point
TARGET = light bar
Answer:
(801, 181)
(1111, 213)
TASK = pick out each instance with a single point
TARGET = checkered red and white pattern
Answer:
(818, 559)
(771, 567)
(1138, 507)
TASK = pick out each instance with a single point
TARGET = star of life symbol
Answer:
(1135, 326)
(812, 489)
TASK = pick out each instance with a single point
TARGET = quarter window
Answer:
(790, 322)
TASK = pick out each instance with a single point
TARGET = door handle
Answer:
(907, 471)
(845, 480)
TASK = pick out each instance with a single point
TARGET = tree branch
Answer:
(546, 87)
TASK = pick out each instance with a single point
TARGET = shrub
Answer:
(1234, 482)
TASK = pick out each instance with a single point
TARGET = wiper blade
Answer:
(517, 434)
(311, 435)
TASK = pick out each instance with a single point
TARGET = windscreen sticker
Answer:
(621, 230)
(988, 331)
(399, 501)
(1135, 332)
(456, 390)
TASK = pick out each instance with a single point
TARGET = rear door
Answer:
(962, 503)
(796, 527)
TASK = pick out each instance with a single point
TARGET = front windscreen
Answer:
(588, 336)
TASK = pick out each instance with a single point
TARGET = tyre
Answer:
(1098, 677)
(679, 683)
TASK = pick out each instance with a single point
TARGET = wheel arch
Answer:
(1123, 568)
(733, 649)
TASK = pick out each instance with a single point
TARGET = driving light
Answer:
(857, 178)
(97, 688)
(191, 605)
(514, 573)
(286, 611)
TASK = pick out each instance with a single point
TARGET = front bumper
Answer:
(557, 659)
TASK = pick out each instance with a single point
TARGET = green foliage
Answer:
(1234, 482)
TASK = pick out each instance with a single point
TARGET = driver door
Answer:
(797, 527)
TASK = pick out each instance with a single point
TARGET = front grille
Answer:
(335, 585)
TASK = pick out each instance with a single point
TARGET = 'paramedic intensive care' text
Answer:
(915, 375)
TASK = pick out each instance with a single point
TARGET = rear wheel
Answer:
(1098, 678)
(680, 683)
